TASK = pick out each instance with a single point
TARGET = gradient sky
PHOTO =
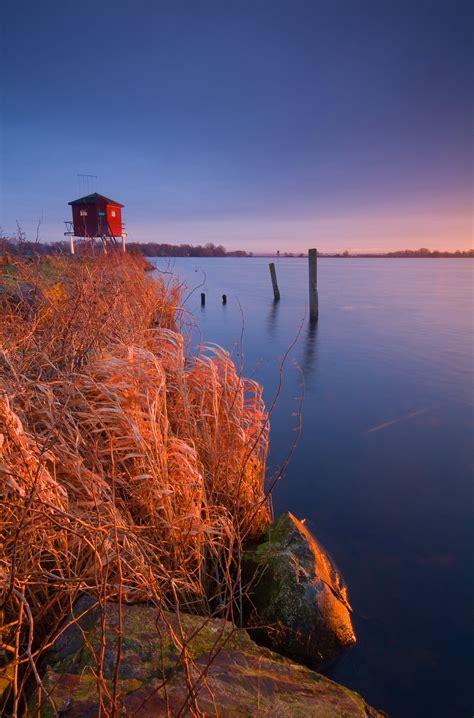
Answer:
(341, 124)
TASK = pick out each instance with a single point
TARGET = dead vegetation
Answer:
(128, 470)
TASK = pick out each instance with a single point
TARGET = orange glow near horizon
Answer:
(382, 231)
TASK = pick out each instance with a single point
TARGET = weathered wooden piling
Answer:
(224, 299)
(313, 285)
(276, 291)
(203, 299)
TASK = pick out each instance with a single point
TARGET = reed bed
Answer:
(129, 469)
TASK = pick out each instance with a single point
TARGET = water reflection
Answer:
(272, 319)
(310, 355)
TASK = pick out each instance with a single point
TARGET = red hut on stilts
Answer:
(95, 216)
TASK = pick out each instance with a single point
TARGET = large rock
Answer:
(241, 679)
(298, 599)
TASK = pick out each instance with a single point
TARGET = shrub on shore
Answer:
(129, 469)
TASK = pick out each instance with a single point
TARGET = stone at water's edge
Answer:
(242, 680)
(297, 597)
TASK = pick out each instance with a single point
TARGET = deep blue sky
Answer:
(341, 124)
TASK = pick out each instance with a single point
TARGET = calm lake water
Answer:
(383, 465)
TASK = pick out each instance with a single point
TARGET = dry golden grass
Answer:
(127, 470)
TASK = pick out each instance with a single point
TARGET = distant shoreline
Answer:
(465, 255)
(446, 255)
(20, 246)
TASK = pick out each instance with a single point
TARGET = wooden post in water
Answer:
(313, 285)
(203, 299)
(224, 299)
(276, 291)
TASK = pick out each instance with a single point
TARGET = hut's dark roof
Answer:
(92, 198)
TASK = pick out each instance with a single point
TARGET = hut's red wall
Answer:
(100, 219)
(114, 218)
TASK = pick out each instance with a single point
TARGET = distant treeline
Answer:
(20, 246)
(409, 253)
(405, 253)
(152, 249)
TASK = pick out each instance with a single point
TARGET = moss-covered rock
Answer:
(298, 599)
(232, 677)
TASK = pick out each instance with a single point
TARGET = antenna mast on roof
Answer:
(86, 184)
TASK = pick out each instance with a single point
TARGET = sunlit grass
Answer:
(127, 470)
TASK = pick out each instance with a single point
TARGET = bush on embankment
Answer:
(128, 471)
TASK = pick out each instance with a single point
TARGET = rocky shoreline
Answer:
(296, 609)
(232, 676)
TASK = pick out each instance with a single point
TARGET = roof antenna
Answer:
(86, 184)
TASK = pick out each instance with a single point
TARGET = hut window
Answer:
(83, 213)
(112, 213)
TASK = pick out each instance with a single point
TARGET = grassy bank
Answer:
(129, 470)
